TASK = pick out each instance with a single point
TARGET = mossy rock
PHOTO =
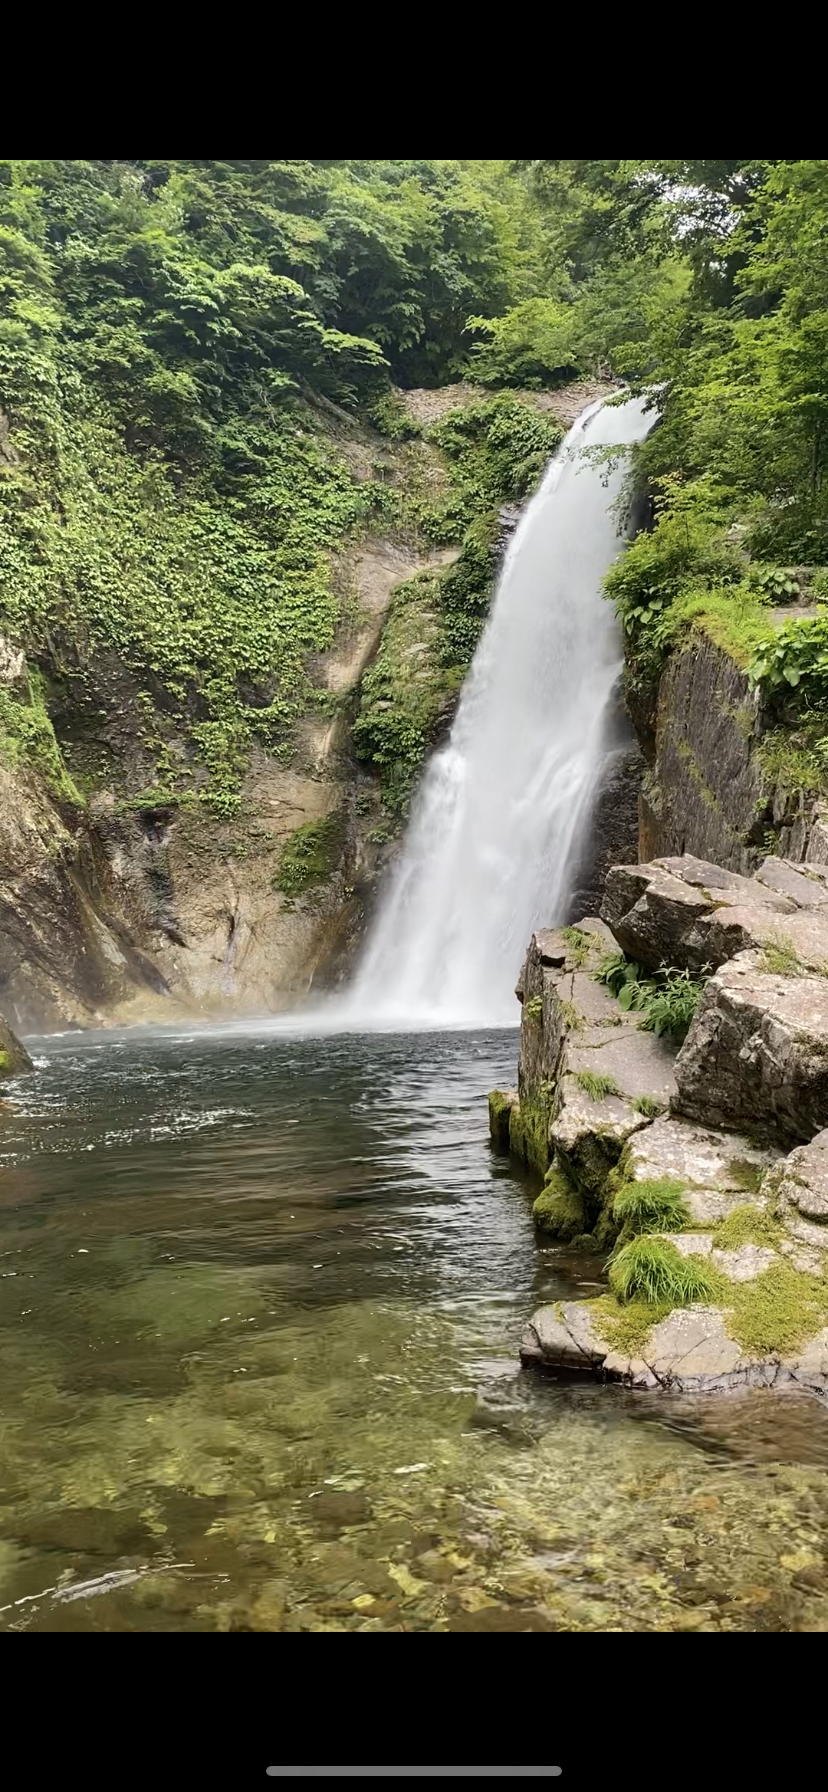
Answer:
(14, 1057)
(529, 1131)
(501, 1103)
(559, 1209)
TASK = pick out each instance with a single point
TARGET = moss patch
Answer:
(500, 1109)
(529, 1130)
(777, 1312)
(780, 958)
(559, 1209)
(746, 1225)
(28, 738)
(745, 1174)
(627, 1326)
(309, 856)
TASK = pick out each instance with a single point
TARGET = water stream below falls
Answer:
(260, 1300)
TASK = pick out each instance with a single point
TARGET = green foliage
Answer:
(572, 1020)
(655, 1206)
(175, 340)
(666, 1001)
(497, 451)
(652, 1270)
(534, 1007)
(670, 1003)
(595, 1085)
(308, 856)
(795, 655)
(616, 970)
(27, 737)
(776, 583)
(579, 945)
(389, 415)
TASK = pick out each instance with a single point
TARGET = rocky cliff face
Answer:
(122, 901)
(678, 1155)
(706, 789)
(134, 908)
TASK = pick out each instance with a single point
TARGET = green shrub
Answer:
(669, 1004)
(652, 1270)
(534, 1007)
(655, 1206)
(616, 970)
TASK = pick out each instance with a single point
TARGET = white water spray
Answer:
(496, 823)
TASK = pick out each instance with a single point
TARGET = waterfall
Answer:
(495, 825)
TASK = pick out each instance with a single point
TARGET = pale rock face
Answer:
(756, 1054)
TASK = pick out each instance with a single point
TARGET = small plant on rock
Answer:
(670, 1004)
(534, 1007)
(616, 971)
(595, 1085)
(648, 1106)
(780, 957)
(657, 1206)
(652, 1270)
(578, 944)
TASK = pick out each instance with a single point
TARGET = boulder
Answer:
(694, 916)
(689, 1351)
(718, 1170)
(796, 1190)
(14, 1057)
(559, 999)
(756, 1055)
(564, 1336)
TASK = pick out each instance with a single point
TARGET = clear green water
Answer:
(260, 1300)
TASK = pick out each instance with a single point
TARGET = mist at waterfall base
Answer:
(499, 818)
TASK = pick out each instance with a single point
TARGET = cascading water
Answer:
(497, 819)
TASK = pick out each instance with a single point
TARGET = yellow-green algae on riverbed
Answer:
(259, 1311)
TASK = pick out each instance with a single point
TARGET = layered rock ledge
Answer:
(697, 1157)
